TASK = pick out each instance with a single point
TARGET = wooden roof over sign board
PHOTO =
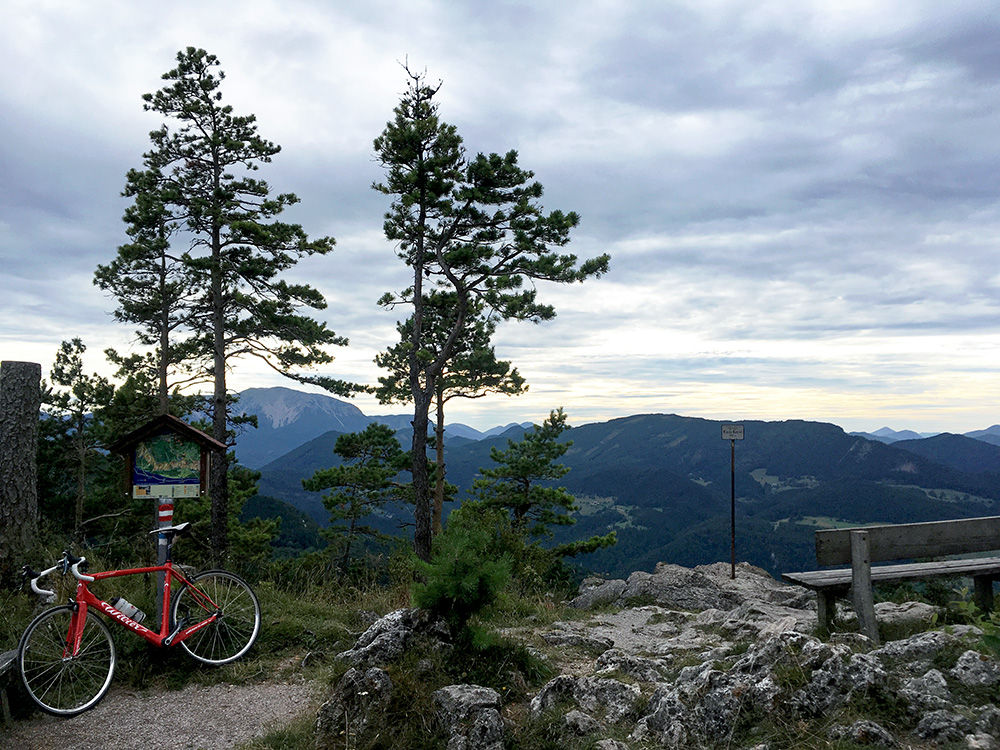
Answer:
(165, 423)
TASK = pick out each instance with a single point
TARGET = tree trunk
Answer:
(20, 400)
(421, 481)
(219, 474)
(80, 444)
(439, 472)
(163, 354)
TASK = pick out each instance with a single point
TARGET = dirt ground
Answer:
(198, 717)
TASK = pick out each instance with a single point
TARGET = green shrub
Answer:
(468, 570)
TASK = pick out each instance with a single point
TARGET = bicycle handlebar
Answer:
(75, 569)
(67, 564)
(33, 576)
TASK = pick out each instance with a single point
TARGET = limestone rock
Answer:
(988, 719)
(356, 706)
(610, 745)
(865, 733)
(944, 726)
(981, 742)
(600, 696)
(594, 644)
(595, 592)
(975, 670)
(890, 613)
(579, 723)
(839, 679)
(471, 717)
(679, 588)
(927, 693)
(915, 654)
(388, 637)
(637, 667)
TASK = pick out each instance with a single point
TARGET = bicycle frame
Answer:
(86, 599)
(67, 661)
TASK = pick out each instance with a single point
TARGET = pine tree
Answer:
(473, 372)
(74, 430)
(468, 226)
(197, 189)
(366, 480)
(521, 484)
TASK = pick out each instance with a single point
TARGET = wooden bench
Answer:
(860, 547)
(8, 673)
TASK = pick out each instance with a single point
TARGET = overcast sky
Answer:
(800, 198)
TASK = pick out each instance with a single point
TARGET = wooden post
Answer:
(983, 593)
(826, 610)
(20, 401)
(861, 584)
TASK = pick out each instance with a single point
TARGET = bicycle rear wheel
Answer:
(234, 631)
(59, 684)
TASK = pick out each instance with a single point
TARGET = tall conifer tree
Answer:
(473, 372)
(198, 189)
(469, 226)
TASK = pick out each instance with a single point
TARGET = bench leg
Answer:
(826, 611)
(861, 584)
(983, 593)
(5, 705)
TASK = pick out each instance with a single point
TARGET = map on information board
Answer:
(166, 465)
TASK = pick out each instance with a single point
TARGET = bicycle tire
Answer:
(66, 686)
(234, 632)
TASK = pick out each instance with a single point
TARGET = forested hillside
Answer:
(662, 482)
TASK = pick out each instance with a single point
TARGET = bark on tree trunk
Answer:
(439, 469)
(20, 400)
(421, 481)
(219, 473)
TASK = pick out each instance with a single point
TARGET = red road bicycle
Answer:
(67, 655)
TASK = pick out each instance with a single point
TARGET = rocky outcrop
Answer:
(694, 659)
(470, 715)
(356, 707)
(694, 590)
(388, 637)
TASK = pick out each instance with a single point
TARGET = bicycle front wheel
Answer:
(56, 681)
(234, 630)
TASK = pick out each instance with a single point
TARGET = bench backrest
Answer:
(907, 541)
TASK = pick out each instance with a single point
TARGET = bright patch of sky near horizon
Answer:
(800, 198)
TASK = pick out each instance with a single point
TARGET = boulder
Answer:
(975, 670)
(596, 592)
(981, 742)
(636, 667)
(601, 696)
(470, 715)
(694, 590)
(944, 726)
(676, 587)
(590, 643)
(927, 693)
(864, 733)
(356, 707)
(388, 637)
(580, 724)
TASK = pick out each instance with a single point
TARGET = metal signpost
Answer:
(732, 433)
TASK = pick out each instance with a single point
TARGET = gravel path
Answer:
(216, 717)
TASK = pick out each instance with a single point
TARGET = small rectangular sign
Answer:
(732, 432)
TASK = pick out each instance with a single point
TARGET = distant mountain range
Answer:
(662, 481)
(287, 418)
(889, 435)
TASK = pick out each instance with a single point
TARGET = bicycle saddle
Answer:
(177, 529)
